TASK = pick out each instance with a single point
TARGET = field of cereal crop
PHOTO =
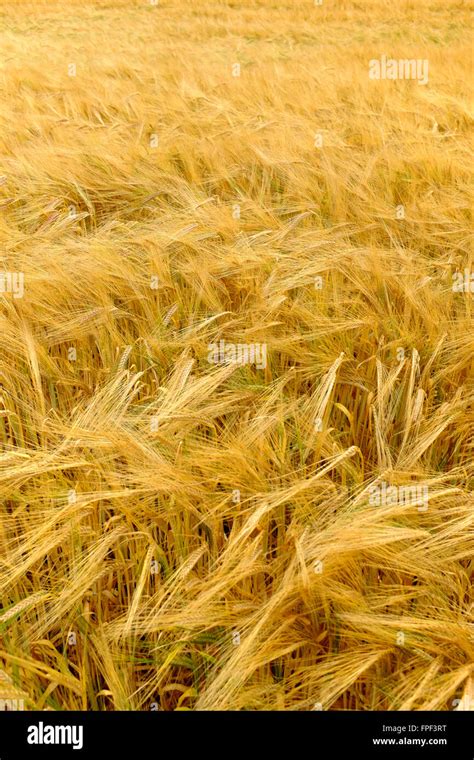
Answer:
(236, 355)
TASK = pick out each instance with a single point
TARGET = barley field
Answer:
(236, 356)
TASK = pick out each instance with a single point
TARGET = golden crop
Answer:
(236, 312)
